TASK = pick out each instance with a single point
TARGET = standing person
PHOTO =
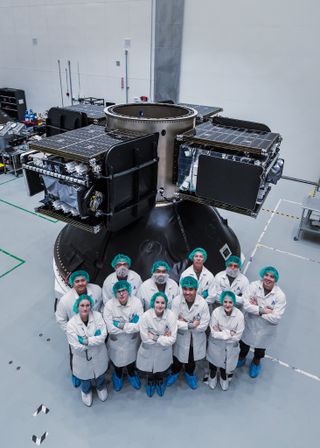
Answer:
(159, 281)
(121, 264)
(122, 314)
(231, 279)
(79, 283)
(226, 328)
(198, 271)
(193, 318)
(158, 331)
(86, 333)
(264, 304)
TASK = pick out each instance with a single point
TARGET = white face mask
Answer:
(160, 279)
(122, 272)
(232, 272)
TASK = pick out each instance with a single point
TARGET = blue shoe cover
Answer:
(150, 388)
(254, 370)
(134, 381)
(241, 362)
(117, 382)
(161, 387)
(75, 381)
(172, 378)
(191, 381)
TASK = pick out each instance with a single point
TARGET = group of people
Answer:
(159, 327)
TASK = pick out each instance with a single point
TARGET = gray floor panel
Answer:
(272, 410)
(298, 334)
(282, 229)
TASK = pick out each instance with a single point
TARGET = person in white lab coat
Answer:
(193, 316)
(121, 264)
(197, 270)
(79, 283)
(226, 328)
(122, 314)
(158, 331)
(231, 279)
(86, 333)
(159, 281)
(264, 304)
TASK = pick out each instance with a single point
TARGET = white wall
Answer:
(259, 60)
(88, 33)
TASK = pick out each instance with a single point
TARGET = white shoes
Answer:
(212, 382)
(224, 383)
(102, 394)
(87, 398)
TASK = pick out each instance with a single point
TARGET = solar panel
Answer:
(92, 110)
(85, 143)
(204, 112)
(257, 142)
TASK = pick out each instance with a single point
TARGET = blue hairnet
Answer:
(158, 294)
(121, 258)
(234, 259)
(76, 274)
(189, 282)
(79, 299)
(159, 263)
(121, 284)
(270, 269)
(198, 249)
(229, 294)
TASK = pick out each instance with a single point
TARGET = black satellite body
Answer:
(146, 185)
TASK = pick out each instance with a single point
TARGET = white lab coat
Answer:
(88, 361)
(205, 281)
(64, 310)
(222, 283)
(133, 278)
(122, 344)
(260, 330)
(156, 356)
(149, 287)
(185, 337)
(223, 349)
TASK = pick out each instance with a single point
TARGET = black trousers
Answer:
(131, 369)
(244, 350)
(155, 377)
(213, 371)
(189, 367)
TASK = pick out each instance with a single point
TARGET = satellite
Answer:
(148, 184)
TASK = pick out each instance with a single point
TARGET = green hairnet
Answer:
(270, 269)
(198, 249)
(121, 284)
(121, 258)
(76, 274)
(79, 299)
(159, 263)
(234, 259)
(229, 294)
(158, 294)
(189, 282)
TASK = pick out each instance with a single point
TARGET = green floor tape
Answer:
(28, 211)
(21, 262)
(10, 180)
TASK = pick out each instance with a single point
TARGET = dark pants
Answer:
(258, 352)
(86, 385)
(157, 377)
(189, 367)
(213, 371)
(131, 369)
